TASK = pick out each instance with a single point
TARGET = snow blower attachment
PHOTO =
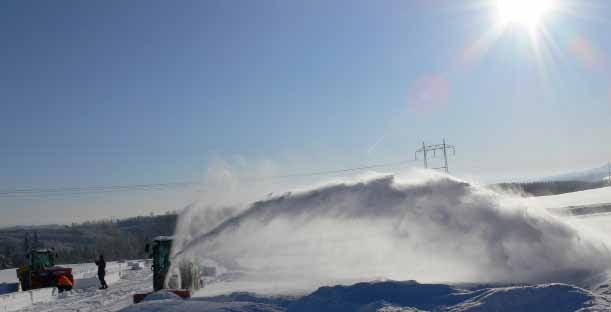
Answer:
(180, 281)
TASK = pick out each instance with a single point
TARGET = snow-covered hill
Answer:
(588, 175)
(589, 197)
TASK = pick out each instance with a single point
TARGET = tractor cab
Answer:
(159, 250)
(180, 279)
(39, 259)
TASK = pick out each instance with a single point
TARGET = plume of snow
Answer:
(425, 226)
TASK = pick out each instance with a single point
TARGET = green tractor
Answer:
(39, 270)
(181, 279)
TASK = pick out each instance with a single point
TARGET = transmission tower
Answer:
(434, 148)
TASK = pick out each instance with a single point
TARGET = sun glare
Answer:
(523, 12)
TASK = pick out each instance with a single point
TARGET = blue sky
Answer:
(127, 92)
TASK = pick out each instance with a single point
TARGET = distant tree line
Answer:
(550, 187)
(116, 239)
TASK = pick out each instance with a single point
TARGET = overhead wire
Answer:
(92, 190)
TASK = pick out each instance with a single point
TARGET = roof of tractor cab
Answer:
(163, 238)
(42, 250)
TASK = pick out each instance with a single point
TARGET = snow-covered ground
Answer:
(86, 296)
(589, 197)
(117, 296)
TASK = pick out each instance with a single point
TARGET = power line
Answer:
(92, 190)
(328, 172)
(76, 192)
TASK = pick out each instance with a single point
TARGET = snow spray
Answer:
(427, 226)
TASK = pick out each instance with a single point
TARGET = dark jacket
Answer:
(101, 266)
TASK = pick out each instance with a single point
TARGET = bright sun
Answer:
(523, 12)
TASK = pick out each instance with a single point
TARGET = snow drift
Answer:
(430, 227)
(397, 296)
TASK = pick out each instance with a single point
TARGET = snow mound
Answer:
(200, 306)
(282, 301)
(365, 296)
(162, 295)
(395, 296)
(411, 296)
(550, 297)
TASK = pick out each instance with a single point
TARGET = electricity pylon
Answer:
(427, 149)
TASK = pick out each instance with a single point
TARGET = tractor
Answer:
(39, 270)
(180, 280)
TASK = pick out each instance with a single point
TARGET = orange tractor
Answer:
(39, 270)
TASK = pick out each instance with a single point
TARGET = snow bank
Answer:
(85, 270)
(162, 295)
(135, 265)
(430, 227)
(86, 274)
(19, 300)
(8, 288)
(8, 276)
(200, 306)
(398, 296)
(551, 297)
(276, 300)
(359, 297)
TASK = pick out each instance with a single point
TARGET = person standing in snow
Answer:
(101, 271)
